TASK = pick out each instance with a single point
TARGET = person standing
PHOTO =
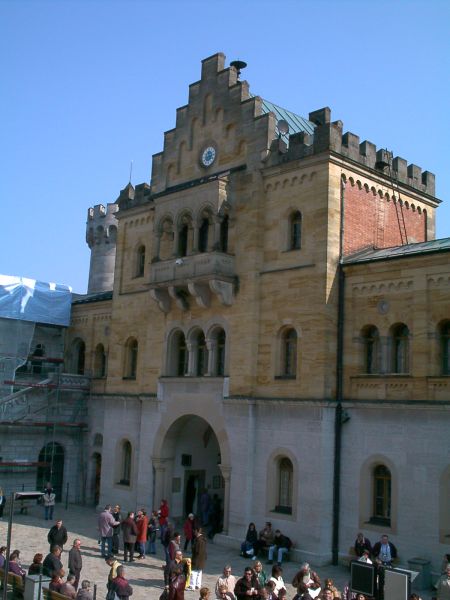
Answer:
(113, 565)
(121, 586)
(163, 516)
(142, 526)
(226, 580)
(175, 576)
(75, 562)
(2, 502)
(57, 536)
(205, 506)
(105, 526)
(151, 532)
(247, 586)
(116, 529)
(198, 559)
(129, 532)
(188, 530)
(48, 500)
(174, 545)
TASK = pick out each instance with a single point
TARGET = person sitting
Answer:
(365, 557)
(362, 543)
(329, 585)
(281, 545)
(306, 580)
(270, 587)
(250, 542)
(2, 556)
(277, 578)
(36, 566)
(14, 566)
(226, 579)
(84, 593)
(52, 562)
(68, 587)
(57, 581)
(265, 539)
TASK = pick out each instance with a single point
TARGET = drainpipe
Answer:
(339, 388)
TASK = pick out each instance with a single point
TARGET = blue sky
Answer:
(88, 86)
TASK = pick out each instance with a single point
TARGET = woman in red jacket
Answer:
(142, 526)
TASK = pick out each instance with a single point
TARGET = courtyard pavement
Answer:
(29, 535)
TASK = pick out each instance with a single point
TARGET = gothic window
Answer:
(224, 234)
(220, 354)
(140, 261)
(78, 356)
(444, 341)
(202, 355)
(381, 512)
(203, 236)
(131, 358)
(285, 486)
(100, 361)
(181, 354)
(125, 472)
(289, 353)
(400, 349)
(183, 240)
(371, 340)
(295, 231)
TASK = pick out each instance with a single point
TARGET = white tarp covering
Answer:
(30, 300)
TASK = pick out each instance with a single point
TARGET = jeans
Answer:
(48, 512)
(281, 551)
(151, 546)
(108, 541)
(141, 548)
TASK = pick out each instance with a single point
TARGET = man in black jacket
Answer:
(384, 551)
(281, 545)
(75, 562)
(57, 536)
(52, 563)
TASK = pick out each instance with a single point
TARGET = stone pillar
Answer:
(226, 474)
(211, 345)
(156, 250)
(159, 464)
(195, 242)
(192, 358)
(216, 241)
(176, 238)
(385, 354)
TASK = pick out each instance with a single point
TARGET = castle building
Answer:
(269, 319)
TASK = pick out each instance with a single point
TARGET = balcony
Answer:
(193, 278)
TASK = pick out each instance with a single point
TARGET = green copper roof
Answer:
(296, 123)
(371, 254)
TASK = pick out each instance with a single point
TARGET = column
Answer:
(192, 347)
(176, 238)
(216, 241)
(226, 474)
(195, 242)
(211, 345)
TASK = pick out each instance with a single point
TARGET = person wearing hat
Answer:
(188, 529)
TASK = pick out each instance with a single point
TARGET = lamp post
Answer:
(14, 496)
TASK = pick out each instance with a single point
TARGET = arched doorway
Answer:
(189, 471)
(51, 468)
(97, 476)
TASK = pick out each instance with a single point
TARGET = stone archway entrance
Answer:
(190, 471)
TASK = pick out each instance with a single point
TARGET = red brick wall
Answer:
(374, 221)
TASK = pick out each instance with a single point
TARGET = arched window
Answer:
(140, 261)
(201, 355)
(78, 356)
(220, 354)
(382, 483)
(181, 355)
(100, 361)
(183, 240)
(285, 481)
(131, 358)
(125, 471)
(400, 349)
(371, 340)
(203, 236)
(289, 353)
(224, 234)
(444, 342)
(295, 231)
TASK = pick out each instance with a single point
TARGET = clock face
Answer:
(208, 156)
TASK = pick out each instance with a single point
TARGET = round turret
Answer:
(101, 237)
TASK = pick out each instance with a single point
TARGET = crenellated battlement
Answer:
(101, 224)
(329, 136)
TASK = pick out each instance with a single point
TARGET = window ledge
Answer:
(291, 250)
(283, 510)
(129, 378)
(381, 375)
(124, 482)
(381, 521)
(288, 377)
